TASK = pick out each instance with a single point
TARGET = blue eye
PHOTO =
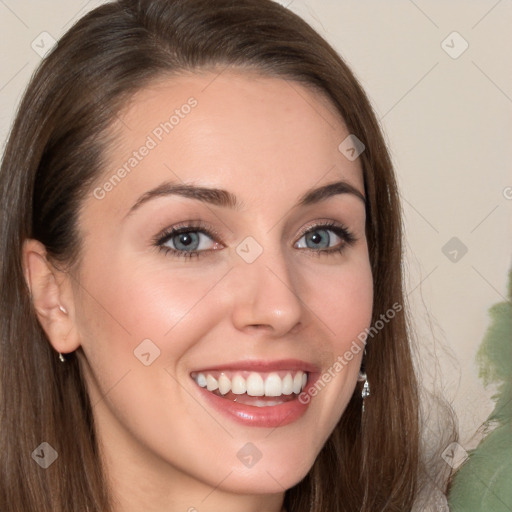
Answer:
(326, 239)
(319, 239)
(187, 241)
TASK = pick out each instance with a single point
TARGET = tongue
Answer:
(247, 399)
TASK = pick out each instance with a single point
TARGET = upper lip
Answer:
(264, 366)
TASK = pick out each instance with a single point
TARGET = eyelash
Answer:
(341, 231)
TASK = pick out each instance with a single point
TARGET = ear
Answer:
(52, 297)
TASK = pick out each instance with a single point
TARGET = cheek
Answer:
(342, 298)
(346, 304)
(127, 303)
(136, 324)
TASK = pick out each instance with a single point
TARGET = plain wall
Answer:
(448, 122)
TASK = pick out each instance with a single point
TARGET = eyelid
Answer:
(185, 226)
(325, 224)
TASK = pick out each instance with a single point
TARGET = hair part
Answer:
(56, 151)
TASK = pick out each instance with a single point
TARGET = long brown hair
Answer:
(370, 462)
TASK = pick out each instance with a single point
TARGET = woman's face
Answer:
(258, 287)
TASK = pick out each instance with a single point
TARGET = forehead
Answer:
(265, 139)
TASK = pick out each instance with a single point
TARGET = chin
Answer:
(271, 480)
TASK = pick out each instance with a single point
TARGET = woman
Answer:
(201, 274)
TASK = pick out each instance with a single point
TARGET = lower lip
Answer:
(250, 415)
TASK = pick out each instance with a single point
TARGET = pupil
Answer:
(185, 239)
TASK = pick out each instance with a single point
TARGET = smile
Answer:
(242, 386)
(256, 394)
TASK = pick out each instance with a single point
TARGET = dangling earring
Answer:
(366, 389)
(364, 378)
(62, 359)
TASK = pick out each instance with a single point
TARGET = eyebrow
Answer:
(223, 198)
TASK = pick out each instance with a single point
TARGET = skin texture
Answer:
(267, 141)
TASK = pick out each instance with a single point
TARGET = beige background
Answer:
(449, 125)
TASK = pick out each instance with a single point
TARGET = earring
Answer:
(62, 359)
(365, 393)
(366, 389)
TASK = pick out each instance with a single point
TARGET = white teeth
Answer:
(224, 384)
(254, 384)
(287, 387)
(297, 383)
(201, 380)
(238, 385)
(211, 383)
(273, 385)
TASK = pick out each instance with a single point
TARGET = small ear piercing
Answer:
(63, 309)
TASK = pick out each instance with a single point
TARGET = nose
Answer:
(266, 296)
